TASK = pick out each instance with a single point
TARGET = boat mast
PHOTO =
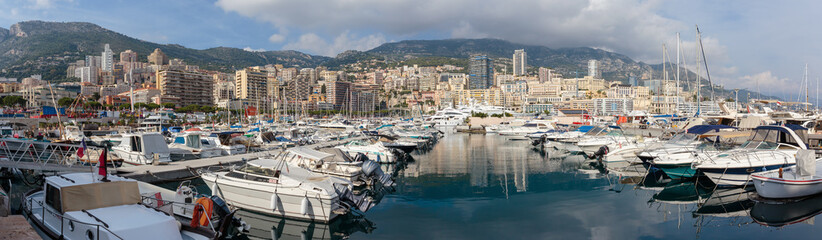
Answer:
(131, 88)
(705, 61)
(698, 77)
(677, 69)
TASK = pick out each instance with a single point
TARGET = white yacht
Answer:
(337, 164)
(528, 128)
(225, 142)
(769, 147)
(192, 142)
(155, 121)
(448, 117)
(376, 152)
(77, 206)
(277, 188)
(142, 149)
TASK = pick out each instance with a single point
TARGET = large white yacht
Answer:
(142, 148)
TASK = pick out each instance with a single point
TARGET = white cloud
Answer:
(276, 38)
(767, 82)
(345, 41)
(43, 4)
(249, 49)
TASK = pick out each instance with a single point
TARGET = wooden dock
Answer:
(181, 170)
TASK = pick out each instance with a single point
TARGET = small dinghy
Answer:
(802, 179)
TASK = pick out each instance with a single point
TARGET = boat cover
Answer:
(806, 162)
(99, 195)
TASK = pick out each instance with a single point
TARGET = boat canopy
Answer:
(702, 129)
(80, 192)
(309, 153)
(585, 128)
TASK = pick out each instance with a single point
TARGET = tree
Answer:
(168, 105)
(65, 101)
(152, 106)
(95, 97)
(92, 105)
(322, 89)
(12, 101)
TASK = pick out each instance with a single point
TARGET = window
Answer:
(179, 140)
(53, 198)
(136, 144)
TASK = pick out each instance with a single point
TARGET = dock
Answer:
(16, 227)
(182, 170)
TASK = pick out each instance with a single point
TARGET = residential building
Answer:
(480, 72)
(338, 93)
(142, 95)
(593, 71)
(128, 56)
(158, 57)
(612, 106)
(86, 74)
(107, 58)
(189, 86)
(254, 86)
(520, 62)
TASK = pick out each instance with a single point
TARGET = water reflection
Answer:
(270, 227)
(786, 212)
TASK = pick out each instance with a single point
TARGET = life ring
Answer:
(202, 212)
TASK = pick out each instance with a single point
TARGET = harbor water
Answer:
(471, 186)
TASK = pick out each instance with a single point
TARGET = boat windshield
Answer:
(761, 145)
(681, 139)
(259, 170)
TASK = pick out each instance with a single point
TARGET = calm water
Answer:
(486, 187)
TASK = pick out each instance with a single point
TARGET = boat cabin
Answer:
(788, 136)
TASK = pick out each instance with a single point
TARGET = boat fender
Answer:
(304, 206)
(274, 199)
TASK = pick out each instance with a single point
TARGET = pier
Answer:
(181, 170)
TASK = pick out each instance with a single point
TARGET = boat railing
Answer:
(22, 150)
(28, 206)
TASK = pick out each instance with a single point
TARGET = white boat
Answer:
(142, 149)
(677, 155)
(448, 117)
(157, 121)
(225, 142)
(77, 206)
(528, 128)
(802, 179)
(192, 142)
(275, 187)
(376, 152)
(74, 134)
(769, 147)
(336, 165)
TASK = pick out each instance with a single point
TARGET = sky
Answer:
(755, 45)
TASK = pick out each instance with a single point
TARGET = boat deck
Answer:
(180, 170)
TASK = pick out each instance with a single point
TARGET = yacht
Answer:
(769, 147)
(157, 121)
(142, 149)
(78, 206)
(225, 142)
(277, 188)
(191, 142)
(376, 152)
(676, 156)
(528, 128)
(448, 117)
(336, 164)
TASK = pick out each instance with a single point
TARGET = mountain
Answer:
(38, 47)
(565, 60)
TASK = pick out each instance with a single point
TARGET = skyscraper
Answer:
(128, 56)
(592, 69)
(545, 74)
(520, 62)
(108, 59)
(480, 72)
(158, 57)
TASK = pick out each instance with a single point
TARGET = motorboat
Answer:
(336, 164)
(376, 152)
(528, 128)
(191, 142)
(78, 206)
(676, 156)
(448, 117)
(278, 188)
(802, 179)
(614, 140)
(142, 149)
(769, 147)
(226, 143)
(157, 121)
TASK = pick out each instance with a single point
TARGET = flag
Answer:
(101, 165)
(82, 150)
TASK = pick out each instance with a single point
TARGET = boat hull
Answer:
(734, 177)
(781, 188)
(677, 170)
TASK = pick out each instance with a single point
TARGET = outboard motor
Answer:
(227, 219)
(360, 157)
(600, 153)
(372, 169)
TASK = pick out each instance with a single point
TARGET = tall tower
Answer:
(520, 62)
(592, 69)
(480, 72)
(108, 59)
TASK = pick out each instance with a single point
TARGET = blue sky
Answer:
(746, 42)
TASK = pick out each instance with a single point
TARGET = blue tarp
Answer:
(283, 139)
(585, 128)
(254, 130)
(236, 126)
(777, 127)
(49, 110)
(702, 129)
(175, 129)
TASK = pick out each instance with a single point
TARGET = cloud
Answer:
(767, 82)
(43, 4)
(276, 38)
(249, 49)
(630, 27)
(345, 41)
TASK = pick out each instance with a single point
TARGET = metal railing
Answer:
(28, 206)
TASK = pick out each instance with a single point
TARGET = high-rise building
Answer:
(158, 57)
(545, 74)
(520, 62)
(480, 72)
(107, 59)
(86, 74)
(187, 87)
(253, 84)
(592, 69)
(338, 93)
(128, 56)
